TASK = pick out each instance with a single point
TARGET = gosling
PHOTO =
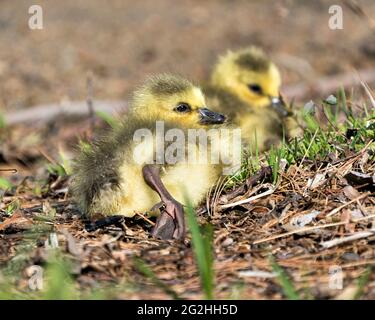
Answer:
(245, 86)
(121, 175)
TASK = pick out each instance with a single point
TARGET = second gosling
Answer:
(245, 86)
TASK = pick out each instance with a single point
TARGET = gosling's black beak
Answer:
(210, 117)
(279, 105)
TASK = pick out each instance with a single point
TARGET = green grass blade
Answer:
(202, 246)
(143, 268)
(2, 121)
(107, 118)
(285, 283)
(362, 281)
(5, 184)
(59, 284)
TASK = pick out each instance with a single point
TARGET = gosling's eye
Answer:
(256, 88)
(183, 107)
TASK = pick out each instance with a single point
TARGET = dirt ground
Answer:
(120, 42)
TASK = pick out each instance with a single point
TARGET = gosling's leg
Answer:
(171, 223)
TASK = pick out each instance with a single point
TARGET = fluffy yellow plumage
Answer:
(110, 177)
(245, 85)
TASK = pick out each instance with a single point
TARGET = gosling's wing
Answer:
(95, 169)
(97, 166)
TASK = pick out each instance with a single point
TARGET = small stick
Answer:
(89, 101)
(310, 229)
(261, 195)
(145, 218)
(272, 188)
(45, 155)
(355, 236)
(338, 209)
(307, 150)
(9, 170)
(368, 92)
(208, 204)
(217, 192)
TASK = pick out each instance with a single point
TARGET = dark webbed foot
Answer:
(171, 222)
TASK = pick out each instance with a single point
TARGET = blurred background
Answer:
(123, 41)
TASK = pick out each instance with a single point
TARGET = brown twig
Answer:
(336, 210)
(145, 218)
(9, 170)
(352, 237)
(271, 189)
(48, 157)
(89, 100)
(306, 229)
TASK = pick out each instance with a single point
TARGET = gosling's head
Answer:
(251, 76)
(171, 98)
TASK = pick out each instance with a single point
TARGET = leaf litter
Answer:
(318, 214)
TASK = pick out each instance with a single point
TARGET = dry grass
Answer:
(315, 214)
